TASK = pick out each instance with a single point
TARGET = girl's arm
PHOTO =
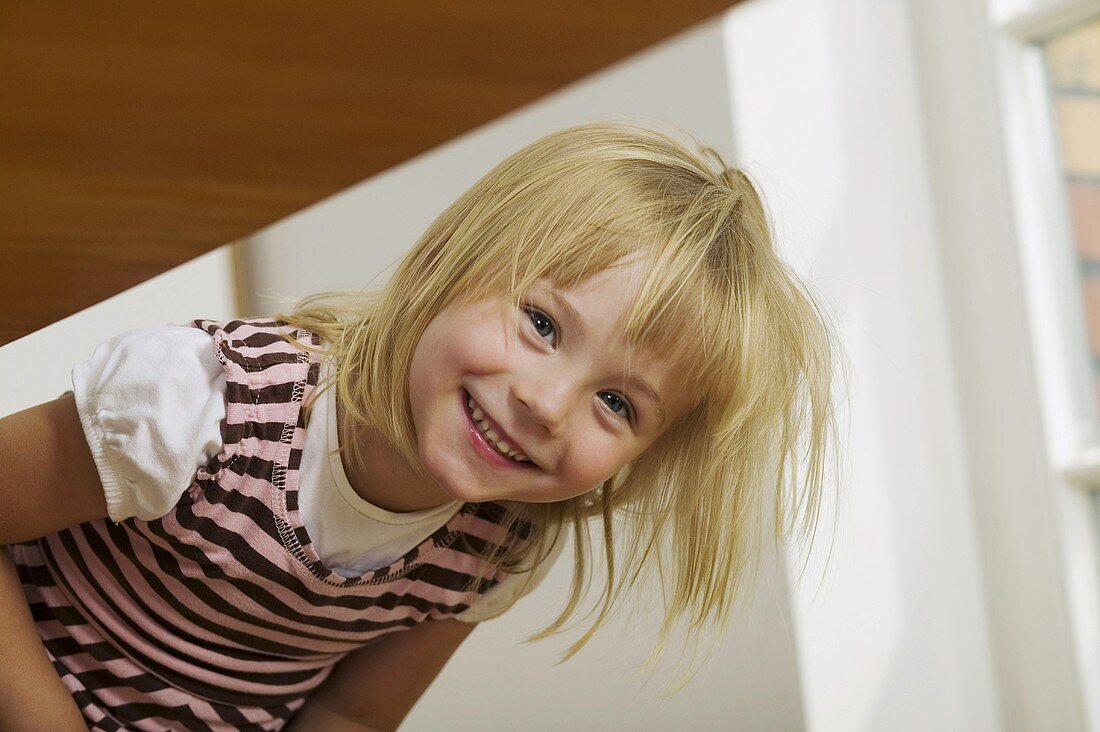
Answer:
(50, 482)
(373, 688)
(32, 697)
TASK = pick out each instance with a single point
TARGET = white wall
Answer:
(827, 106)
(1021, 359)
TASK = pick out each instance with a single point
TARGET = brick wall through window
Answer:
(1073, 67)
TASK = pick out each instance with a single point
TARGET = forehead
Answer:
(600, 305)
(663, 321)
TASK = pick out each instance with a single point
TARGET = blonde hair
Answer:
(564, 208)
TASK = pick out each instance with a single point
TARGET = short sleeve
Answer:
(151, 402)
(509, 588)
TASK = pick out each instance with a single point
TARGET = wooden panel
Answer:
(135, 136)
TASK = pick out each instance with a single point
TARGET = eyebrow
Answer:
(643, 385)
(571, 313)
(578, 324)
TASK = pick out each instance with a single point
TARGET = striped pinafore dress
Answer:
(220, 615)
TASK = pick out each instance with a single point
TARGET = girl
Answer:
(598, 329)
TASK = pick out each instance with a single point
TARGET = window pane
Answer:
(1073, 66)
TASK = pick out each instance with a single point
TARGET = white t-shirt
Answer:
(151, 402)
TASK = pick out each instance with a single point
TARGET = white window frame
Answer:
(1041, 195)
(1058, 323)
(1018, 333)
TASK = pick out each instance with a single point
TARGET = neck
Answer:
(391, 483)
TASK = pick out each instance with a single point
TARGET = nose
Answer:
(546, 401)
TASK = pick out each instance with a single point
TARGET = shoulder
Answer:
(163, 370)
(251, 345)
(255, 332)
(150, 403)
(166, 351)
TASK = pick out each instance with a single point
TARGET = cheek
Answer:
(454, 348)
(596, 458)
(424, 364)
(484, 350)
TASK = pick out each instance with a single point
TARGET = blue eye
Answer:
(542, 323)
(615, 402)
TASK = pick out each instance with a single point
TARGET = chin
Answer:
(443, 477)
(453, 492)
(472, 491)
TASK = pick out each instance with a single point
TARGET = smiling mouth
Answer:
(489, 440)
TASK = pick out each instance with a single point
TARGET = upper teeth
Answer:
(493, 437)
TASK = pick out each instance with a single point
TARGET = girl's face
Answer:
(562, 389)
